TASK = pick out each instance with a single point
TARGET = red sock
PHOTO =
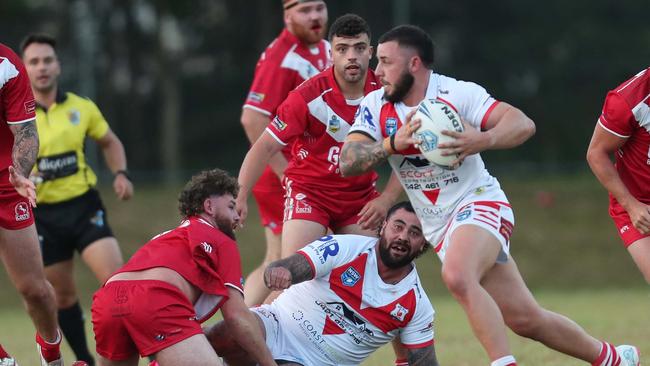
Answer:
(3, 353)
(49, 351)
(608, 356)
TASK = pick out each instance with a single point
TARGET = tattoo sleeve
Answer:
(422, 356)
(357, 157)
(25, 149)
(298, 266)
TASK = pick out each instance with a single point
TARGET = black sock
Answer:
(71, 321)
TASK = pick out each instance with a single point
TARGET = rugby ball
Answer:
(436, 116)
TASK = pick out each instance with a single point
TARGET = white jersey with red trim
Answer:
(434, 192)
(347, 312)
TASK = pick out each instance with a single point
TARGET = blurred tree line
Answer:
(170, 76)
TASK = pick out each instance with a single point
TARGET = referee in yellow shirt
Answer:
(70, 215)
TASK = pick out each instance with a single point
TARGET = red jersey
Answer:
(202, 254)
(626, 114)
(316, 118)
(284, 65)
(17, 103)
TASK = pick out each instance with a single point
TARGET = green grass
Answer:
(619, 316)
(566, 248)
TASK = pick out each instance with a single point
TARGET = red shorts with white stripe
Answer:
(269, 195)
(333, 209)
(626, 230)
(492, 213)
(15, 210)
(141, 316)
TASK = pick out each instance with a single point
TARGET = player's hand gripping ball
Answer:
(436, 116)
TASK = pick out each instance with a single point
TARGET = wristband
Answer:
(392, 142)
(123, 172)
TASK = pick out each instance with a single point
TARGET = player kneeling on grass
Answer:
(347, 295)
(154, 304)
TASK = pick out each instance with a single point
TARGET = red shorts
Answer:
(331, 208)
(15, 210)
(269, 194)
(626, 230)
(143, 316)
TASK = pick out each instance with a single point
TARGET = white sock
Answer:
(508, 360)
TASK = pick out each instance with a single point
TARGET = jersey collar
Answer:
(60, 98)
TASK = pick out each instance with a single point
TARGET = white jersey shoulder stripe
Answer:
(335, 125)
(294, 61)
(8, 71)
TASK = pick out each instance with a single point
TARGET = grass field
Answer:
(564, 243)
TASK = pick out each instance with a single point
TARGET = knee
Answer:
(36, 292)
(526, 323)
(220, 339)
(456, 281)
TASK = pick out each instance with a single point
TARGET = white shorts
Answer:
(488, 208)
(280, 345)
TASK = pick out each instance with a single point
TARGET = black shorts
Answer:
(74, 224)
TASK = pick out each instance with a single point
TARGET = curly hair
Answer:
(214, 182)
(348, 25)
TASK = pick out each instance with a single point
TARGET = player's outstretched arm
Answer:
(281, 274)
(423, 356)
(245, 328)
(254, 124)
(372, 215)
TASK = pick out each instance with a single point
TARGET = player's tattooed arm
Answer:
(423, 356)
(283, 273)
(358, 156)
(25, 149)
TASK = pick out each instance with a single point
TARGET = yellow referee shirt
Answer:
(61, 162)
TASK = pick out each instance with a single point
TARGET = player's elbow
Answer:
(529, 127)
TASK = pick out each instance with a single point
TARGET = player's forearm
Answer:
(605, 171)
(25, 149)
(114, 155)
(422, 356)
(297, 265)
(513, 129)
(358, 157)
(393, 189)
(248, 335)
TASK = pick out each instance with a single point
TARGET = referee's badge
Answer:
(74, 116)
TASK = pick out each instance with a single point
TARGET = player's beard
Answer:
(400, 88)
(391, 262)
(226, 226)
(307, 35)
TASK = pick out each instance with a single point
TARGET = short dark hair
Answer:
(406, 205)
(414, 37)
(37, 38)
(348, 25)
(214, 182)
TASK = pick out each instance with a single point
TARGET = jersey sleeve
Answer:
(97, 127)
(617, 116)
(366, 119)
(419, 333)
(291, 119)
(333, 251)
(17, 98)
(271, 85)
(473, 103)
